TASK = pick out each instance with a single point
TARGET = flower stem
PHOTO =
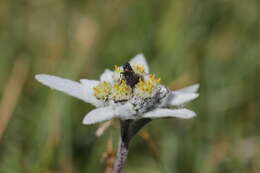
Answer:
(129, 128)
(122, 150)
(121, 156)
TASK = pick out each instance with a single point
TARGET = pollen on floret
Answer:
(120, 91)
(154, 79)
(117, 73)
(138, 68)
(118, 69)
(102, 90)
(145, 88)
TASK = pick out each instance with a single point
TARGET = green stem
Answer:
(129, 128)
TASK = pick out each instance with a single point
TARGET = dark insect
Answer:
(130, 76)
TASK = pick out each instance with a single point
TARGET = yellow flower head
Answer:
(102, 90)
(120, 91)
(118, 69)
(154, 79)
(138, 68)
(146, 88)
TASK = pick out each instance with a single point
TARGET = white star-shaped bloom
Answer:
(128, 94)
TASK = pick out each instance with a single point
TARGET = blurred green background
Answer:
(215, 43)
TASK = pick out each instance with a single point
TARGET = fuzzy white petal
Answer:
(161, 113)
(69, 87)
(88, 86)
(125, 111)
(179, 98)
(140, 59)
(190, 89)
(107, 76)
(99, 115)
(89, 83)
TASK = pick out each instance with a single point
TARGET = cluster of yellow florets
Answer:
(118, 69)
(138, 68)
(142, 87)
(102, 90)
(145, 88)
(117, 73)
(154, 80)
(120, 91)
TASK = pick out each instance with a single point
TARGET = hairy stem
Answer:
(121, 156)
(122, 150)
(128, 130)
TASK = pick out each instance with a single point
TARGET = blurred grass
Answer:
(215, 43)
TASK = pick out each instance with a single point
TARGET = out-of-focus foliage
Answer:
(215, 43)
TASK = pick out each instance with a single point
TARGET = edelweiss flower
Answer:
(134, 94)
